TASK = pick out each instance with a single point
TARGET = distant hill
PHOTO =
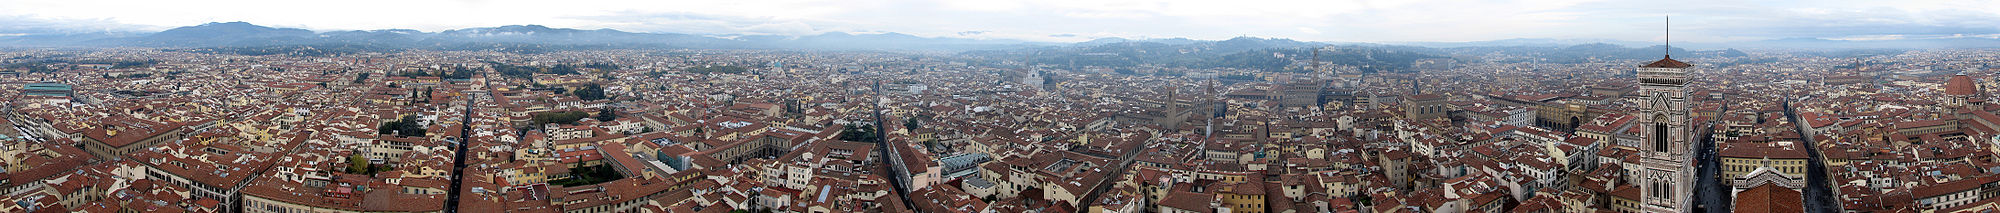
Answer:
(222, 34)
(1816, 44)
(1912, 43)
(1591, 52)
(1273, 55)
(246, 38)
(232, 36)
(1112, 40)
(890, 41)
(1536, 42)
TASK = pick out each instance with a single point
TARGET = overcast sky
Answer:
(1066, 20)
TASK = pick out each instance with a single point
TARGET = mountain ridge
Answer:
(244, 34)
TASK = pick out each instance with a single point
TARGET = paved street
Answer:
(1819, 196)
(458, 160)
(1712, 192)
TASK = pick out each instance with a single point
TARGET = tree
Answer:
(606, 114)
(706, 69)
(859, 133)
(561, 69)
(589, 92)
(602, 66)
(1047, 78)
(569, 117)
(1238, 77)
(589, 175)
(516, 71)
(356, 164)
(459, 72)
(406, 127)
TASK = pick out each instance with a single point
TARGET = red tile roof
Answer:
(1960, 85)
(1197, 202)
(1769, 198)
(1764, 151)
(1667, 62)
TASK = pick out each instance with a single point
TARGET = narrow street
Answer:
(458, 159)
(1712, 191)
(891, 158)
(1124, 165)
(1819, 196)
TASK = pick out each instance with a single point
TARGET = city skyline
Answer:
(1069, 21)
(889, 106)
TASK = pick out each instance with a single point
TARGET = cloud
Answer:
(1735, 20)
(23, 25)
(1987, 36)
(1042, 20)
(1871, 38)
(1849, 22)
(694, 23)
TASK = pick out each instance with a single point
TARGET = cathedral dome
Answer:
(1960, 85)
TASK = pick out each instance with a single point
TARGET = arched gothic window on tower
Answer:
(1660, 133)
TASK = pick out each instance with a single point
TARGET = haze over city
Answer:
(998, 106)
(1067, 21)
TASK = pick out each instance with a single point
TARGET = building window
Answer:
(1660, 189)
(1660, 136)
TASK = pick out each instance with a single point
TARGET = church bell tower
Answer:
(1667, 182)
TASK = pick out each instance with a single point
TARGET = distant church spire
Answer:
(1315, 66)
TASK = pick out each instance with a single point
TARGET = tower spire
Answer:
(1315, 69)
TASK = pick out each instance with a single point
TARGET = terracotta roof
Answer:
(1770, 198)
(1766, 151)
(1947, 188)
(1960, 85)
(1248, 188)
(1197, 202)
(1667, 62)
(1626, 192)
(1425, 96)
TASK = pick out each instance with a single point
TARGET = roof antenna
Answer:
(1670, 37)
